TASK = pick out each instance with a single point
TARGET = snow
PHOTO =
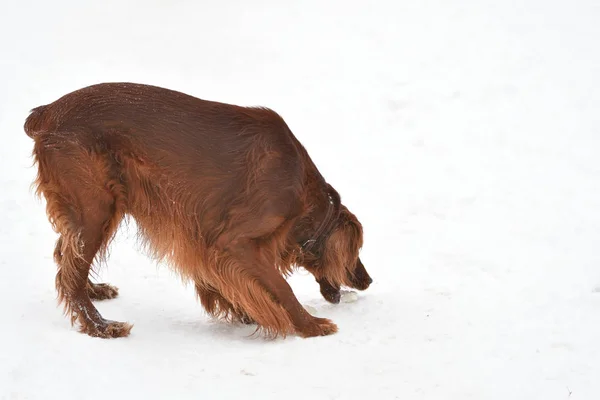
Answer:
(349, 296)
(464, 134)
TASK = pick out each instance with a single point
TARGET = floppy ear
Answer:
(340, 252)
(359, 278)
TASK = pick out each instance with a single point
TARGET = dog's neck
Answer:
(323, 225)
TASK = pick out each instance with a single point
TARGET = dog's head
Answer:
(334, 260)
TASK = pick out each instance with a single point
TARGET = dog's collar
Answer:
(308, 244)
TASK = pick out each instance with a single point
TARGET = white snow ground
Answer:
(464, 134)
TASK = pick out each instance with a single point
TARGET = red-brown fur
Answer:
(225, 194)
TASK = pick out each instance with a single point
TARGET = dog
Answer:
(224, 194)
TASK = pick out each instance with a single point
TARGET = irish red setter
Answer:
(225, 194)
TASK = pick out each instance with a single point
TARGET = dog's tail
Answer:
(34, 124)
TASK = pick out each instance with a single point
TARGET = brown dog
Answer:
(225, 194)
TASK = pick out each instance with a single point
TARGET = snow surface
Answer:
(464, 134)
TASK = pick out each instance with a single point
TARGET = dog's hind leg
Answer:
(101, 291)
(84, 212)
(96, 291)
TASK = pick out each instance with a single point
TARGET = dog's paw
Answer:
(102, 291)
(107, 329)
(318, 327)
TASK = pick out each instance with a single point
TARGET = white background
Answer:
(464, 134)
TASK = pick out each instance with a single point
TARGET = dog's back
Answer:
(169, 147)
(156, 118)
